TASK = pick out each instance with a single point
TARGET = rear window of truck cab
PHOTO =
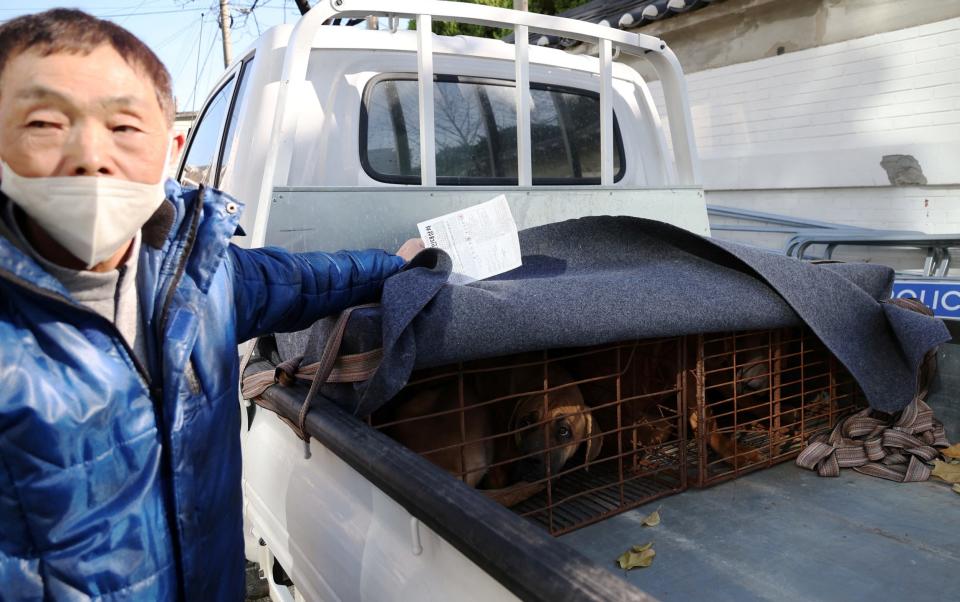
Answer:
(475, 124)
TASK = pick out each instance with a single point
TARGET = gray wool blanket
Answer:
(604, 279)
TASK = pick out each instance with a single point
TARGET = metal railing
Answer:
(806, 233)
(780, 223)
(608, 40)
(937, 246)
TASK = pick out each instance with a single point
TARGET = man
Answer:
(121, 307)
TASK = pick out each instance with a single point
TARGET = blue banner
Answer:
(942, 297)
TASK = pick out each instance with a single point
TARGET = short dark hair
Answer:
(76, 32)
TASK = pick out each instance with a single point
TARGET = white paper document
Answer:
(482, 240)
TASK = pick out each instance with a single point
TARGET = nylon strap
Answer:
(896, 450)
(332, 368)
(874, 446)
(352, 368)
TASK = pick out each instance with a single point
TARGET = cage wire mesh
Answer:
(563, 437)
(568, 437)
(761, 396)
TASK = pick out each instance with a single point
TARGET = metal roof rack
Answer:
(608, 40)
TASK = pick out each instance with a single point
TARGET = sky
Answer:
(185, 34)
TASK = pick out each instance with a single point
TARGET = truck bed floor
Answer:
(786, 534)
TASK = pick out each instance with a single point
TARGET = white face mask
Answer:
(89, 216)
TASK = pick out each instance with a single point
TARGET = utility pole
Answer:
(225, 30)
(303, 5)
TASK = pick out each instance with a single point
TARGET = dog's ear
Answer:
(593, 443)
(512, 424)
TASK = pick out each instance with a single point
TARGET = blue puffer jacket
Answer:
(120, 481)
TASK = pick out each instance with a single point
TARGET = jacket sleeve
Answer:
(279, 291)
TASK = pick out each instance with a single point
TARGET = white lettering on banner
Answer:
(942, 298)
(943, 301)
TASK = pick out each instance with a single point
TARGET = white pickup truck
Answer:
(336, 137)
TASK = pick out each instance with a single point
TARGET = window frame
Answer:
(478, 180)
(242, 74)
(188, 146)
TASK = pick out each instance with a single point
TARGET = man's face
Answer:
(82, 115)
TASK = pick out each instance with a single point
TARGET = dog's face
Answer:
(752, 361)
(561, 424)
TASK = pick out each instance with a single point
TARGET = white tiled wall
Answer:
(824, 117)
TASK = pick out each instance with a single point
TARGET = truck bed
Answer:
(787, 534)
(777, 534)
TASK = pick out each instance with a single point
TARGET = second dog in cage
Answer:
(747, 359)
(449, 424)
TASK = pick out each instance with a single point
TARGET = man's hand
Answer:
(409, 249)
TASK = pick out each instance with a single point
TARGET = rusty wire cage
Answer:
(563, 437)
(759, 397)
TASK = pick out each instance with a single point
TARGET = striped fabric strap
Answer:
(351, 368)
(895, 451)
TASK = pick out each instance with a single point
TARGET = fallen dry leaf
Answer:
(652, 519)
(632, 558)
(947, 472)
(952, 452)
(956, 487)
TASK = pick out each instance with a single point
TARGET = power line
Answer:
(203, 68)
(136, 8)
(196, 77)
(126, 11)
(185, 60)
(162, 44)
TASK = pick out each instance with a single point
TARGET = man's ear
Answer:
(179, 140)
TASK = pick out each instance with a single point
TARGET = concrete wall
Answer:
(181, 125)
(183, 122)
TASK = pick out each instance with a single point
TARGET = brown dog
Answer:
(430, 425)
(750, 379)
(550, 427)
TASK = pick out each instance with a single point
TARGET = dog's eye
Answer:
(564, 432)
(525, 421)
